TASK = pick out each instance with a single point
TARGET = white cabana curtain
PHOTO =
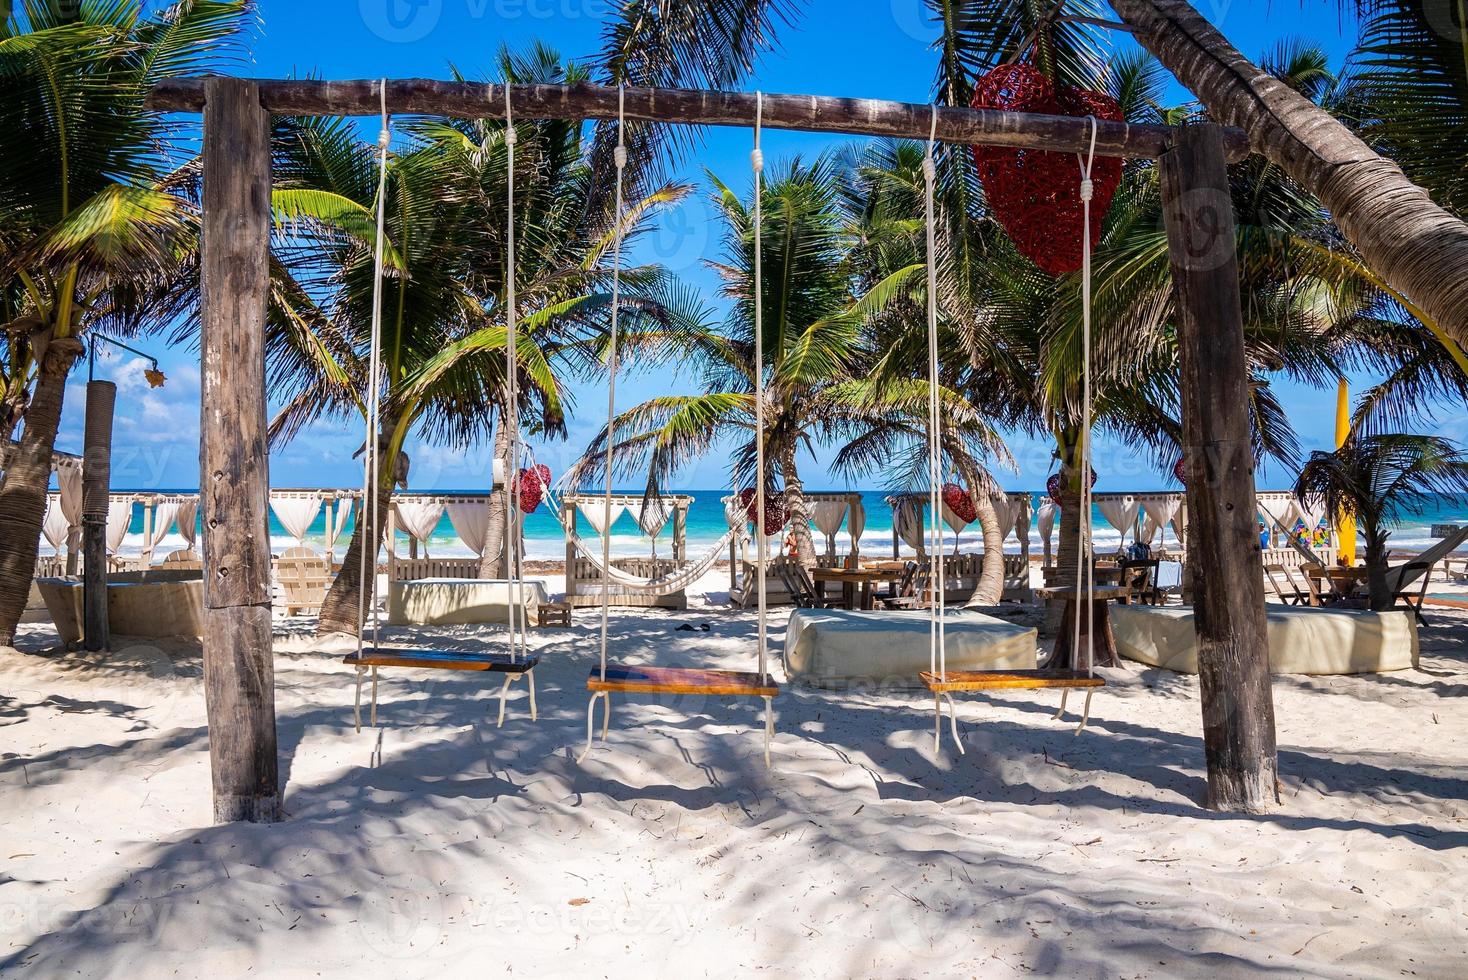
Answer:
(344, 508)
(856, 523)
(1004, 509)
(418, 517)
(1278, 513)
(56, 525)
(1120, 512)
(119, 519)
(1046, 521)
(296, 513)
(164, 514)
(69, 479)
(828, 516)
(470, 519)
(652, 518)
(594, 512)
(908, 522)
(1021, 506)
(186, 517)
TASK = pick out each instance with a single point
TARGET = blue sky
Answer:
(859, 48)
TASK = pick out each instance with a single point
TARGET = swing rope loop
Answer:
(1086, 565)
(371, 465)
(757, 165)
(620, 156)
(937, 627)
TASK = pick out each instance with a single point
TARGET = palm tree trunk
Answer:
(495, 562)
(1420, 249)
(796, 506)
(991, 573)
(23, 495)
(340, 610)
(1377, 591)
(1068, 549)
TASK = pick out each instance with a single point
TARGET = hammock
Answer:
(675, 581)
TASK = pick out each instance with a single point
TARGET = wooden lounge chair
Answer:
(803, 591)
(944, 686)
(1290, 592)
(303, 583)
(905, 593)
(372, 658)
(1412, 598)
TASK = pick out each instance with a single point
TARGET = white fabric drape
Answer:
(56, 525)
(1120, 513)
(908, 522)
(119, 519)
(954, 522)
(164, 514)
(344, 508)
(470, 519)
(1046, 521)
(1149, 530)
(296, 514)
(186, 517)
(1004, 509)
(828, 516)
(653, 517)
(1279, 514)
(856, 523)
(1162, 509)
(1022, 523)
(418, 518)
(69, 480)
(595, 512)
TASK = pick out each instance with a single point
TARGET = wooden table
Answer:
(852, 578)
(1338, 578)
(1104, 643)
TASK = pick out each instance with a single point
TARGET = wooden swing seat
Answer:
(629, 679)
(995, 680)
(497, 663)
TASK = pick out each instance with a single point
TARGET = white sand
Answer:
(439, 846)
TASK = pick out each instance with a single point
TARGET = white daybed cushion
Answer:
(457, 601)
(1302, 639)
(838, 648)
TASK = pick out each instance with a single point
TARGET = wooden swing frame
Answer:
(234, 479)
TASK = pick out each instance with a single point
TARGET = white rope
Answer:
(367, 559)
(512, 380)
(757, 164)
(620, 156)
(1086, 566)
(937, 645)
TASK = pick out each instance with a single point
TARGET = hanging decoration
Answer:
(1033, 193)
(533, 482)
(1180, 471)
(961, 502)
(775, 516)
(1053, 486)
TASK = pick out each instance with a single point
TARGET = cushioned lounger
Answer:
(450, 601)
(838, 648)
(1302, 639)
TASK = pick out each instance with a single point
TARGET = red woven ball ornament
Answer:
(532, 487)
(1052, 485)
(961, 502)
(1035, 194)
(775, 516)
(1180, 471)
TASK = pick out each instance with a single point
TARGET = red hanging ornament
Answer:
(1053, 485)
(532, 484)
(1035, 194)
(961, 502)
(1180, 471)
(775, 516)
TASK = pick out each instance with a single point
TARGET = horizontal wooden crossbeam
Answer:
(693, 107)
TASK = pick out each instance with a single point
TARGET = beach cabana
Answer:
(910, 514)
(585, 580)
(830, 512)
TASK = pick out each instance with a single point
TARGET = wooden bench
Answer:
(999, 680)
(304, 583)
(553, 614)
(371, 658)
(630, 679)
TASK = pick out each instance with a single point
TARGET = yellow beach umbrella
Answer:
(1345, 524)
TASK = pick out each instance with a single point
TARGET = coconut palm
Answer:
(91, 228)
(1379, 480)
(443, 320)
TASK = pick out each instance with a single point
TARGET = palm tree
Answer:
(91, 226)
(1414, 244)
(443, 322)
(1379, 479)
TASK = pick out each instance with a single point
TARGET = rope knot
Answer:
(511, 137)
(620, 156)
(1088, 189)
(930, 170)
(384, 138)
(757, 160)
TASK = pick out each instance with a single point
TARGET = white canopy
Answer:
(119, 519)
(296, 512)
(418, 516)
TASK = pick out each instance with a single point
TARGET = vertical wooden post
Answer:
(234, 479)
(96, 497)
(1223, 545)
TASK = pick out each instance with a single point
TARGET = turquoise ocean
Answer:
(706, 525)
